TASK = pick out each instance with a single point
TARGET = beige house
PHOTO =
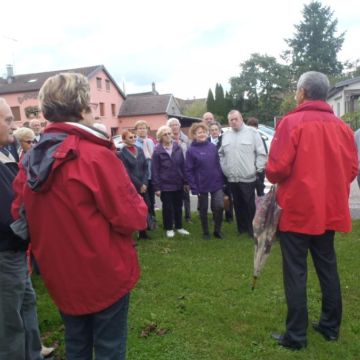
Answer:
(344, 96)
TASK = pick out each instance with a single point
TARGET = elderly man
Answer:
(313, 160)
(208, 118)
(242, 157)
(19, 332)
(35, 126)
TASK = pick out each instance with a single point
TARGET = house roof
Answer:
(145, 105)
(340, 86)
(184, 104)
(33, 82)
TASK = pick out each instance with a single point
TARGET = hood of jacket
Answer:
(57, 146)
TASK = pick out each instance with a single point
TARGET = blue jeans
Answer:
(104, 332)
(19, 331)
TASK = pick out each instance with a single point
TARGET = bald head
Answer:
(207, 118)
(6, 123)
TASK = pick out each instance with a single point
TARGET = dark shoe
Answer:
(229, 220)
(288, 344)
(143, 235)
(218, 235)
(324, 333)
(206, 236)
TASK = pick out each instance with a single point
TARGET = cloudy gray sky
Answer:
(184, 46)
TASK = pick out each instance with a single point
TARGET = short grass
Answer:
(194, 302)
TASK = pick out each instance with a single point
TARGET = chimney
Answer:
(153, 87)
(10, 73)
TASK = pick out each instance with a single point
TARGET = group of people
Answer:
(208, 164)
(78, 202)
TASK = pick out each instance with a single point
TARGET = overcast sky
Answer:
(185, 47)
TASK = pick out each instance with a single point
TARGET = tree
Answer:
(210, 102)
(288, 103)
(315, 45)
(260, 87)
(196, 109)
(219, 100)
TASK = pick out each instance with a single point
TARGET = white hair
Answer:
(173, 120)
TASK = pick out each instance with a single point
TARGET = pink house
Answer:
(155, 109)
(21, 92)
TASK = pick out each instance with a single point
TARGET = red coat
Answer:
(81, 222)
(313, 159)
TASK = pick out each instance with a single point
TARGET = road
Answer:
(354, 201)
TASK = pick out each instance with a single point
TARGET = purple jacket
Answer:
(167, 173)
(202, 169)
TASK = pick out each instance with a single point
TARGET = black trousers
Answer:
(151, 192)
(294, 248)
(186, 199)
(172, 209)
(244, 205)
(217, 206)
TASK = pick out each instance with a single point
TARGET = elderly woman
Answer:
(144, 142)
(183, 141)
(168, 179)
(82, 210)
(25, 138)
(205, 177)
(137, 167)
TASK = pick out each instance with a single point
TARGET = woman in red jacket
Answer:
(81, 219)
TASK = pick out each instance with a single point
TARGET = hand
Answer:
(143, 189)
(186, 188)
(157, 193)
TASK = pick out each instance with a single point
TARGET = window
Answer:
(16, 112)
(98, 83)
(107, 85)
(102, 109)
(113, 110)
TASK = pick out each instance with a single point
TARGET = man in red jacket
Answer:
(81, 209)
(313, 160)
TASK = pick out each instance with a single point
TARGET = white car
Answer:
(267, 133)
(117, 140)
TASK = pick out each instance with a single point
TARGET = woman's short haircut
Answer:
(64, 96)
(141, 123)
(23, 132)
(125, 134)
(173, 120)
(216, 123)
(161, 130)
(194, 128)
(315, 85)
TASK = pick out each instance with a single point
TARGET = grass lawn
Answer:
(194, 302)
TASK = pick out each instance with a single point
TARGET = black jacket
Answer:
(8, 240)
(136, 166)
